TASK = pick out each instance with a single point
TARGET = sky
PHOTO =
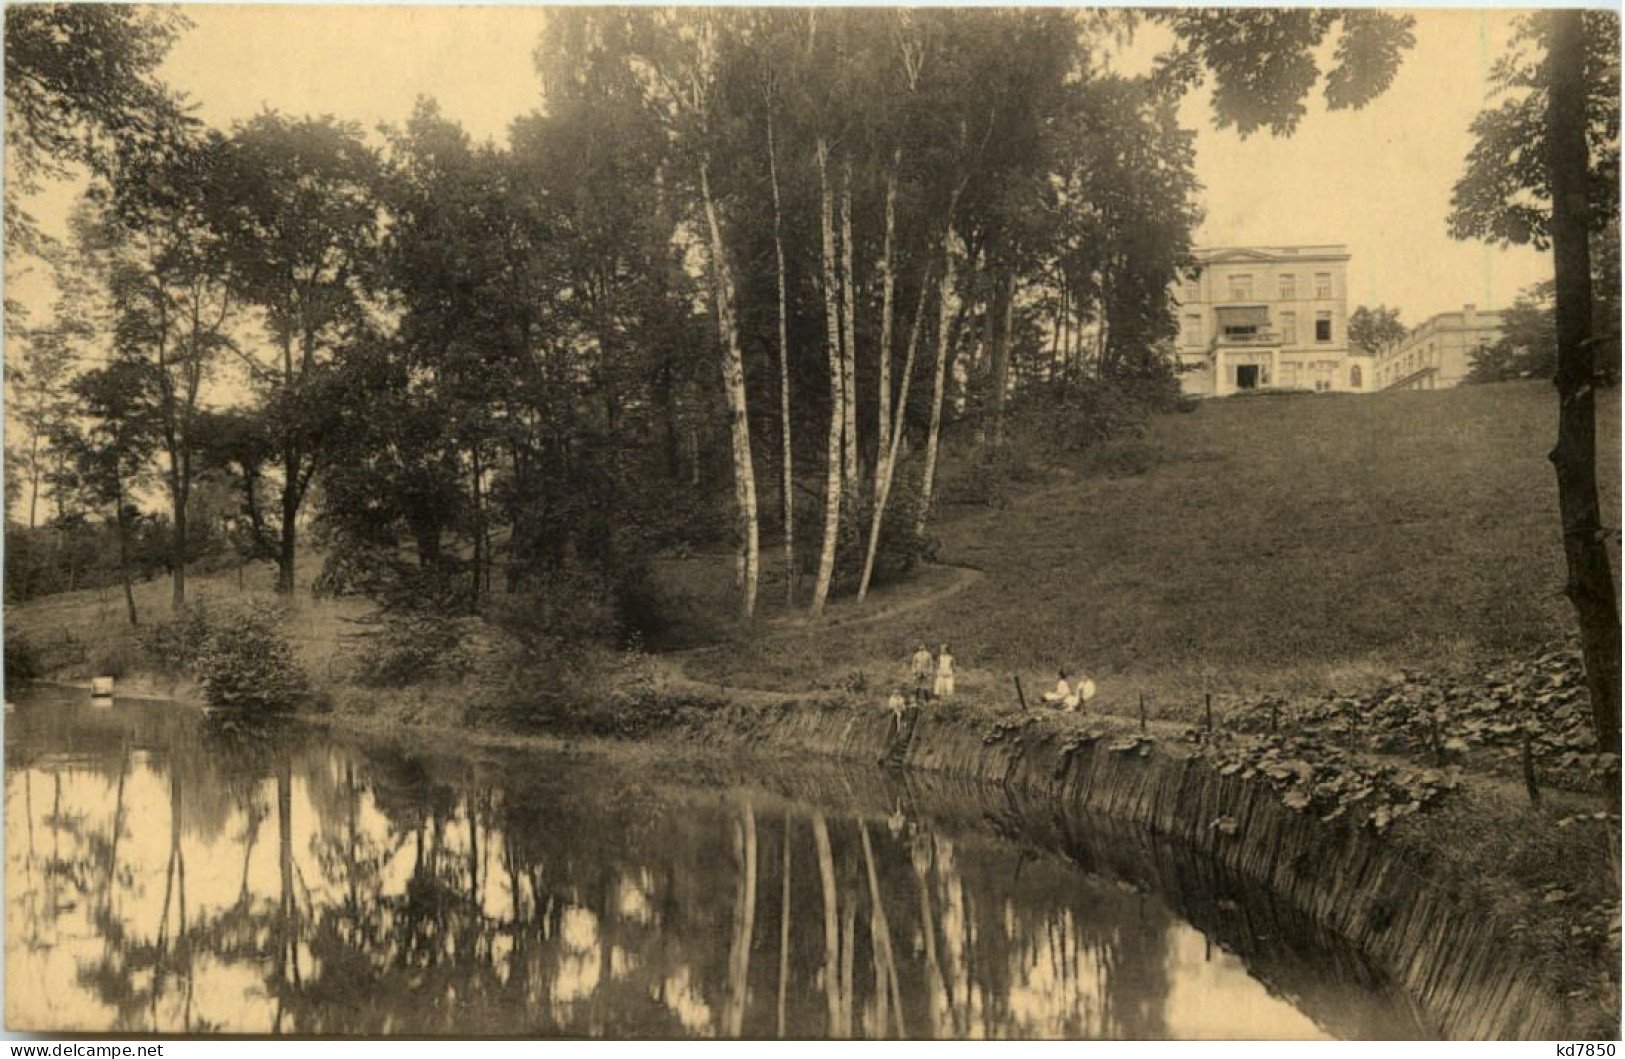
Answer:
(1378, 179)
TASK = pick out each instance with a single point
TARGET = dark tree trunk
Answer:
(1590, 575)
(177, 599)
(999, 326)
(479, 531)
(124, 560)
(290, 531)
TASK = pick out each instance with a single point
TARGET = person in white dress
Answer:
(1062, 693)
(1082, 693)
(944, 688)
(920, 665)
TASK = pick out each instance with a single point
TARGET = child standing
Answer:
(944, 688)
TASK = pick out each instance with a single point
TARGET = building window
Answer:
(1354, 377)
(1241, 287)
(1193, 330)
(1193, 291)
(1323, 284)
(1323, 327)
(1289, 287)
(1289, 329)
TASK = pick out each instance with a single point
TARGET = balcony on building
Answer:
(1243, 326)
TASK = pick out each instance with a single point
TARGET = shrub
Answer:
(408, 648)
(988, 477)
(247, 663)
(115, 657)
(900, 548)
(175, 646)
(568, 605)
(22, 663)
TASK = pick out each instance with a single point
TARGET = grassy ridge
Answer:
(1282, 543)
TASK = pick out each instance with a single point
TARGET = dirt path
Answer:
(669, 673)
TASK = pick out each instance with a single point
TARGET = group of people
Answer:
(1069, 696)
(931, 677)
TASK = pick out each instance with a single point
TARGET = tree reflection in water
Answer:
(552, 894)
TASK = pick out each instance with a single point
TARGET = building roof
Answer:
(1215, 255)
(1458, 320)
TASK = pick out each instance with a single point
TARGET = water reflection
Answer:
(171, 876)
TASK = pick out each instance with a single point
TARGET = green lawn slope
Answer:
(1283, 543)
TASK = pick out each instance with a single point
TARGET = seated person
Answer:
(1062, 695)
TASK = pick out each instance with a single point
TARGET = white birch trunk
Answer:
(787, 485)
(733, 381)
(832, 480)
(944, 327)
(888, 286)
(849, 355)
(886, 467)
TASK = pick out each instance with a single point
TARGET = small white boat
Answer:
(101, 687)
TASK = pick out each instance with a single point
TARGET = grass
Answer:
(1283, 546)
(88, 632)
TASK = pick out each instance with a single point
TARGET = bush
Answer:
(408, 648)
(988, 477)
(247, 664)
(176, 645)
(900, 548)
(116, 657)
(567, 605)
(22, 663)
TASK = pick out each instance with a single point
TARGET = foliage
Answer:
(246, 663)
(407, 648)
(22, 662)
(178, 644)
(1527, 348)
(1528, 344)
(78, 78)
(116, 656)
(901, 546)
(1312, 775)
(1504, 195)
(1485, 720)
(1263, 62)
(1375, 330)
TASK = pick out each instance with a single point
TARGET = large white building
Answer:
(1268, 318)
(1438, 352)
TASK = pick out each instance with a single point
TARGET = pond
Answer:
(172, 873)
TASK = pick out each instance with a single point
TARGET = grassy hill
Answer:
(1269, 544)
(1274, 543)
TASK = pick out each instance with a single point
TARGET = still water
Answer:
(169, 873)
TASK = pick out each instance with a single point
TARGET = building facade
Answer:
(1268, 318)
(1438, 353)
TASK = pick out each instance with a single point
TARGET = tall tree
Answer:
(834, 474)
(171, 299)
(109, 455)
(293, 202)
(1545, 171)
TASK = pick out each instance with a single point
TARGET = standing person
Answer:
(898, 729)
(921, 665)
(944, 688)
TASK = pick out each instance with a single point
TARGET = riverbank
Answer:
(1492, 913)
(1456, 901)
